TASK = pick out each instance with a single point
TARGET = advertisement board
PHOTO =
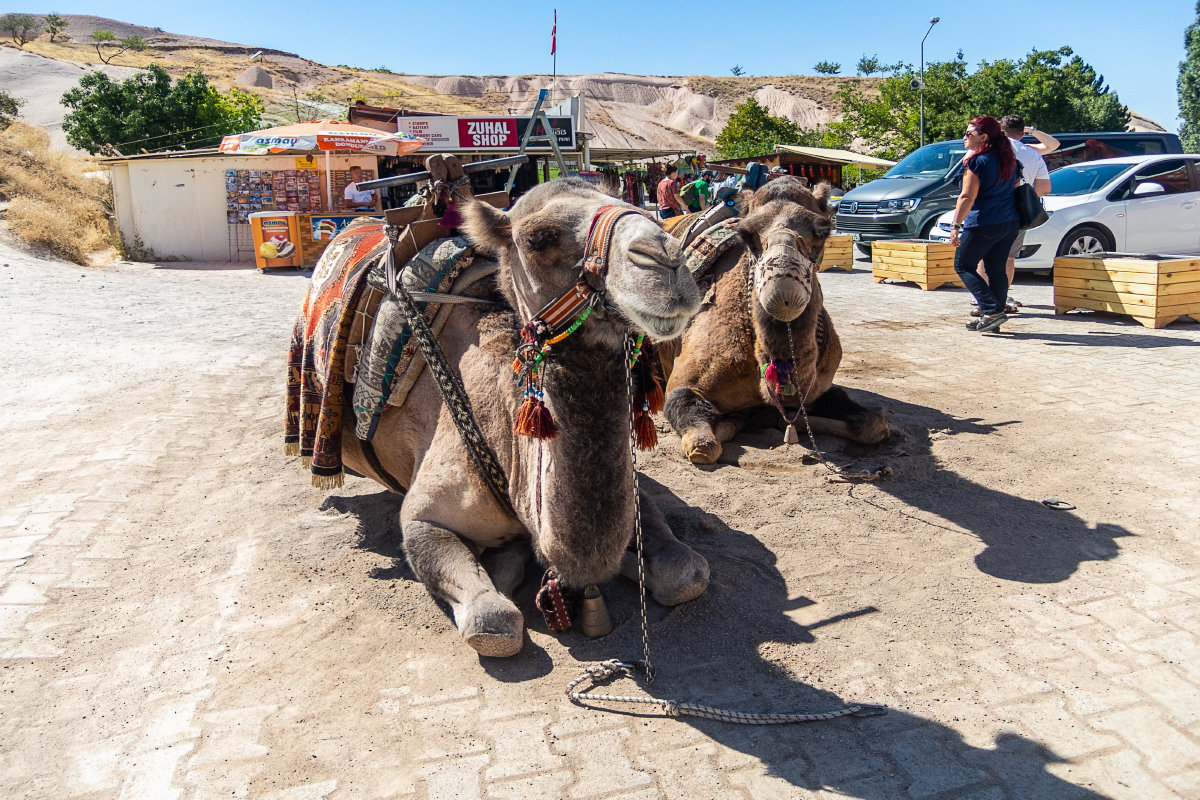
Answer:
(484, 133)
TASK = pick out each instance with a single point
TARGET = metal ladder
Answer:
(538, 116)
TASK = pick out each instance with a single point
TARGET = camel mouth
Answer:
(785, 303)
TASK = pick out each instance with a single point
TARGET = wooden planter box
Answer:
(839, 252)
(1154, 290)
(925, 263)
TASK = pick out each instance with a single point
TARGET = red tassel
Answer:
(451, 219)
(525, 415)
(543, 423)
(772, 374)
(656, 398)
(643, 426)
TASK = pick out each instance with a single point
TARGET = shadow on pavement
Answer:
(724, 650)
(1105, 339)
(1026, 541)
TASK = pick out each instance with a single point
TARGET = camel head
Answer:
(785, 230)
(541, 240)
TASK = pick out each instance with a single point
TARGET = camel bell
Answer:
(593, 618)
(790, 436)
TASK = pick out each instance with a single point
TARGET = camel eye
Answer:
(541, 238)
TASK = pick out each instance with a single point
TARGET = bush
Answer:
(53, 200)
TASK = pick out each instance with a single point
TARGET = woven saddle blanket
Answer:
(389, 359)
(316, 358)
(351, 331)
(707, 246)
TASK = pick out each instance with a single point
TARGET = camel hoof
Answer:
(493, 626)
(671, 580)
(701, 451)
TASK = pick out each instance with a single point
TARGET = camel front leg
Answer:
(675, 573)
(693, 419)
(835, 413)
(488, 621)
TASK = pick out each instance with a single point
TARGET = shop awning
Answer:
(835, 156)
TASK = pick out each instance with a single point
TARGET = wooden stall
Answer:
(925, 263)
(1154, 290)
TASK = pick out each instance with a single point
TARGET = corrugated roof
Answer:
(835, 156)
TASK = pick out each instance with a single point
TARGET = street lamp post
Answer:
(932, 21)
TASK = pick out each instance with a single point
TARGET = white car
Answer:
(1137, 204)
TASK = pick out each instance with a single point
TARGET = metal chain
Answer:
(613, 668)
(803, 399)
(637, 515)
(487, 464)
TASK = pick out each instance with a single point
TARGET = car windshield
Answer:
(932, 160)
(1083, 178)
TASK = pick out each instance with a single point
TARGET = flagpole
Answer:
(554, 59)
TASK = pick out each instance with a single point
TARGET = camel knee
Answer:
(692, 417)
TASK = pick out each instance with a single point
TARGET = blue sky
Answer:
(1137, 46)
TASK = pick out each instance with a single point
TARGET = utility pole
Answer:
(933, 21)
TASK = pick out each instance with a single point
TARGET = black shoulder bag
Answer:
(1029, 206)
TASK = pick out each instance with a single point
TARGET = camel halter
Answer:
(561, 317)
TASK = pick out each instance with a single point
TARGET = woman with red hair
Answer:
(985, 219)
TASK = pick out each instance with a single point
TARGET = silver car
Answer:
(1138, 204)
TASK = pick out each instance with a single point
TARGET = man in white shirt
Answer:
(357, 200)
(1034, 172)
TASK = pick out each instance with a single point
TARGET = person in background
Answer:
(669, 203)
(985, 219)
(1033, 172)
(356, 199)
(702, 189)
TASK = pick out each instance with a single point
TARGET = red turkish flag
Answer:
(553, 34)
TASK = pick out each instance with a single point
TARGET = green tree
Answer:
(827, 67)
(753, 131)
(102, 39)
(737, 70)
(148, 113)
(9, 108)
(869, 65)
(19, 27)
(1052, 89)
(1189, 87)
(55, 24)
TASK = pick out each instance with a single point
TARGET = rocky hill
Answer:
(684, 112)
(623, 111)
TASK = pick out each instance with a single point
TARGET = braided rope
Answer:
(613, 668)
(453, 393)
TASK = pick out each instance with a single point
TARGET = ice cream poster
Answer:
(325, 228)
(276, 243)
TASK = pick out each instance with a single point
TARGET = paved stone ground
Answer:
(182, 617)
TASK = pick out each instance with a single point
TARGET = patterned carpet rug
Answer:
(316, 359)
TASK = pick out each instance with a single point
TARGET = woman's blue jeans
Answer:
(989, 244)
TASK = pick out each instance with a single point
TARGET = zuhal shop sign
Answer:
(484, 133)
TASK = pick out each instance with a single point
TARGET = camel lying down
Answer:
(763, 336)
(572, 496)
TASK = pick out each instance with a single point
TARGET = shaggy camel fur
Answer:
(764, 304)
(573, 494)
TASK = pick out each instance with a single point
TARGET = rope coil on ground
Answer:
(607, 670)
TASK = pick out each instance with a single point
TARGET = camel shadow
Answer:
(725, 651)
(1025, 540)
(378, 516)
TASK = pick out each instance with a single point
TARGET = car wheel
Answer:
(1084, 240)
(865, 249)
(928, 229)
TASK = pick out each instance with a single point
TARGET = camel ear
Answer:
(821, 194)
(747, 229)
(486, 226)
